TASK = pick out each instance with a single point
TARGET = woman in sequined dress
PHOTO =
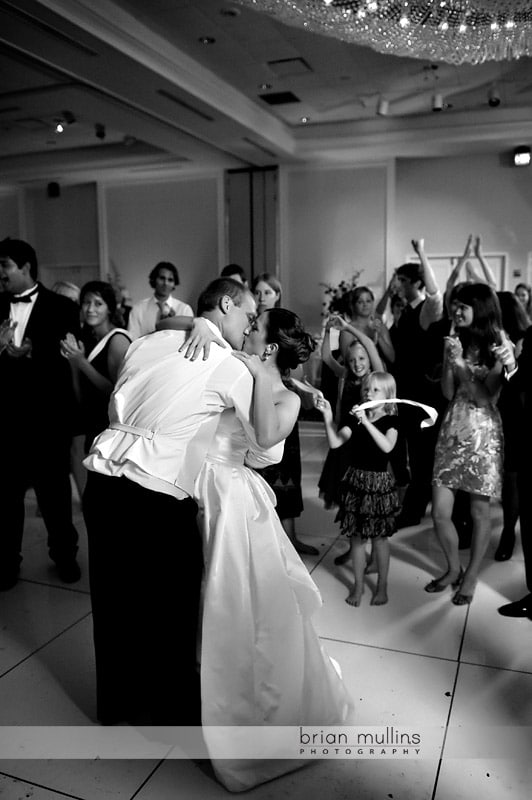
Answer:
(469, 451)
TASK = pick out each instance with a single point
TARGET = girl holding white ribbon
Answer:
(369, 502)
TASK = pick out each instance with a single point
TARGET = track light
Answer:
(66, 118)
(437, 102)
(494, 98)
(522, 156)
(383, 107)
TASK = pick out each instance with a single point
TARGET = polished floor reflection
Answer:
(418, 661)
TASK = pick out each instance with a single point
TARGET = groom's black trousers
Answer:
(145, 563)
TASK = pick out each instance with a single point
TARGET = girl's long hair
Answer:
(485, 330)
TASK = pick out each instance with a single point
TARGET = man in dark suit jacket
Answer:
(523, 380)
(36, 409)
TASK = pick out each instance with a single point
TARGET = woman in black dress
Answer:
(284, 477)
(97, 357)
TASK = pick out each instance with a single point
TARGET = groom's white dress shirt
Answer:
(164, 412)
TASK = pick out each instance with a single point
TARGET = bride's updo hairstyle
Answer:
(284, 329)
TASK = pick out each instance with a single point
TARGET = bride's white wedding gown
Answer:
(261, 659)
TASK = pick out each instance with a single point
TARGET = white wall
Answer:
(333, 222)
(175, 221)
(9, 221)
(64, 232)
(445, 199)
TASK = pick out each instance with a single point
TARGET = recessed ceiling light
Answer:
(265, 86)
(206, 40)
(304, 120)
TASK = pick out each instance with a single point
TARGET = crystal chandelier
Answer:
(455, 31)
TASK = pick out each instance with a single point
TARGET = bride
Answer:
(261, 659)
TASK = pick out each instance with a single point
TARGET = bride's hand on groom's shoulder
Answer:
(199, 340)
(254, 363)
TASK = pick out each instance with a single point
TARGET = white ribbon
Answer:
(432, 414)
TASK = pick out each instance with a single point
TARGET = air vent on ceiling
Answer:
(259, 147)
(43, 26)
(288, 67)
(279, 98)
(184, 104)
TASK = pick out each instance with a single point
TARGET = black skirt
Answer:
(368, 504)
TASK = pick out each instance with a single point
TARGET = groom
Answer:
(145, 554)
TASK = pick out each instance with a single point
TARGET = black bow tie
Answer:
(26, 298)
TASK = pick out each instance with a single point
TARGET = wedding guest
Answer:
(97, 357)
(284, 477)
(37, 407)
(424, 305)
(523, 292)
(523, 383)
(469, 450)
(145, 315)
(235, 272)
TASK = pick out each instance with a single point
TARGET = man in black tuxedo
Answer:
(523, 379)
(36, 409)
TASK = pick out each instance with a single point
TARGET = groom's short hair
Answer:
(211, 296)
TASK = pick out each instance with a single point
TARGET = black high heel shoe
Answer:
(505, 547)
(435, 585)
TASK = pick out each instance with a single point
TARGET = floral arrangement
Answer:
(336, 296)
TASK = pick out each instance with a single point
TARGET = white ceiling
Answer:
(171, 104)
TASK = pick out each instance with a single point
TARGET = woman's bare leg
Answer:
(442, 509)
(480, 512)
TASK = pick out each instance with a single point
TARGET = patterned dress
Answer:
(469, 450)
(368, 499)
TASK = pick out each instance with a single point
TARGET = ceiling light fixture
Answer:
(61, 123)
(455, 31)
(522, 156)
(437, 102)
(206, 40)
(494, 98)
(383, 107)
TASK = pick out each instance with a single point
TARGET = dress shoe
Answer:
(521, 608)
(8, 580)
(436, 585)
(68, 571)
(505, 548)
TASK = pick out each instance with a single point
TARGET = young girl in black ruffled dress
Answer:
(369, 502)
